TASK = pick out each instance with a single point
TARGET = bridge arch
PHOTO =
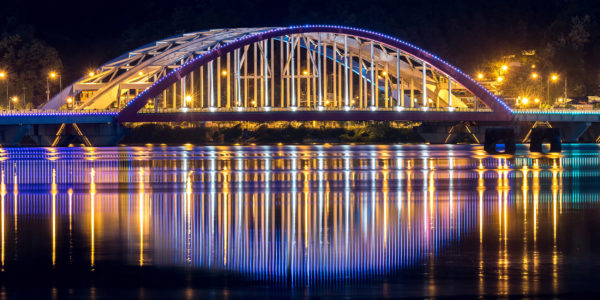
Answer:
(257, 35)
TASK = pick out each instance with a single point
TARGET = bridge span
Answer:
(298, 73)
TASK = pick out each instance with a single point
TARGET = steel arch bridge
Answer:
(311, 72)
(303, 73)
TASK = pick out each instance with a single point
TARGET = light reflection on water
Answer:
(298, 214)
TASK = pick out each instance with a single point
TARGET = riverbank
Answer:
(273, 132)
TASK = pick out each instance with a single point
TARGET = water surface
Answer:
(308, 221)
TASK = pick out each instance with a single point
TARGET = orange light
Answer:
(480, 76)
(91, 74)
(140, 73)
(384, 73)
(305, 72)
(2, 75)
(52, 74)
(554, 77)
(500, 78)
(224, 73)
(69, 100)
(14, 99)
(504, 67)
(536, 100)
(534, 75)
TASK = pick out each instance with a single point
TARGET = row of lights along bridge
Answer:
(521, 102)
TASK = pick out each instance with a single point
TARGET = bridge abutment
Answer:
(11, 135)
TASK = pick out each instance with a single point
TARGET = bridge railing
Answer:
(38, 112)
(308, 109)
(557, 111)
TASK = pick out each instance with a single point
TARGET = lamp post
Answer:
(3, 76)
(552, 78)
(14, 100)
(52, 75)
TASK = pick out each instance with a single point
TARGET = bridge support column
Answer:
(11, 135)
(55, 135)
(108, 134)
(448, 133)
(500, 135)
(541, 134)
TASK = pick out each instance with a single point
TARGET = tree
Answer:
(27, 62)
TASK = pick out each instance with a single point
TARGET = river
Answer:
(364, 221)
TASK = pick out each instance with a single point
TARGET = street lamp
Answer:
(553, 78)
(52, 75)
(3, 76)
(14, 100)
(534, 75)
(480, 76)
(69, 102)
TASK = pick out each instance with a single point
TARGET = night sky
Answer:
(467, 33)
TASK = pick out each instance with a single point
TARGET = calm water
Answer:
(307, 221)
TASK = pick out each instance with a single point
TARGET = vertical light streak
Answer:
(54, 192)
(480, 193)
(92, 216)
(70, 194)
(141, 214)
(188, 215)
(3, 191)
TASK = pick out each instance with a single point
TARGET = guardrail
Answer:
(307, 109)
(54, 112)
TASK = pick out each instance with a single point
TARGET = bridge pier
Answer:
(541, 134)
(499, 135)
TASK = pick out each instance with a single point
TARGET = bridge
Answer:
(303, 73)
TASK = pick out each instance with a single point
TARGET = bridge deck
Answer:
(302, 114)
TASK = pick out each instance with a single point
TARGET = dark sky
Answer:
(88, 33)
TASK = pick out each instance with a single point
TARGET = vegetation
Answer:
(26, 62)
(290, 132)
